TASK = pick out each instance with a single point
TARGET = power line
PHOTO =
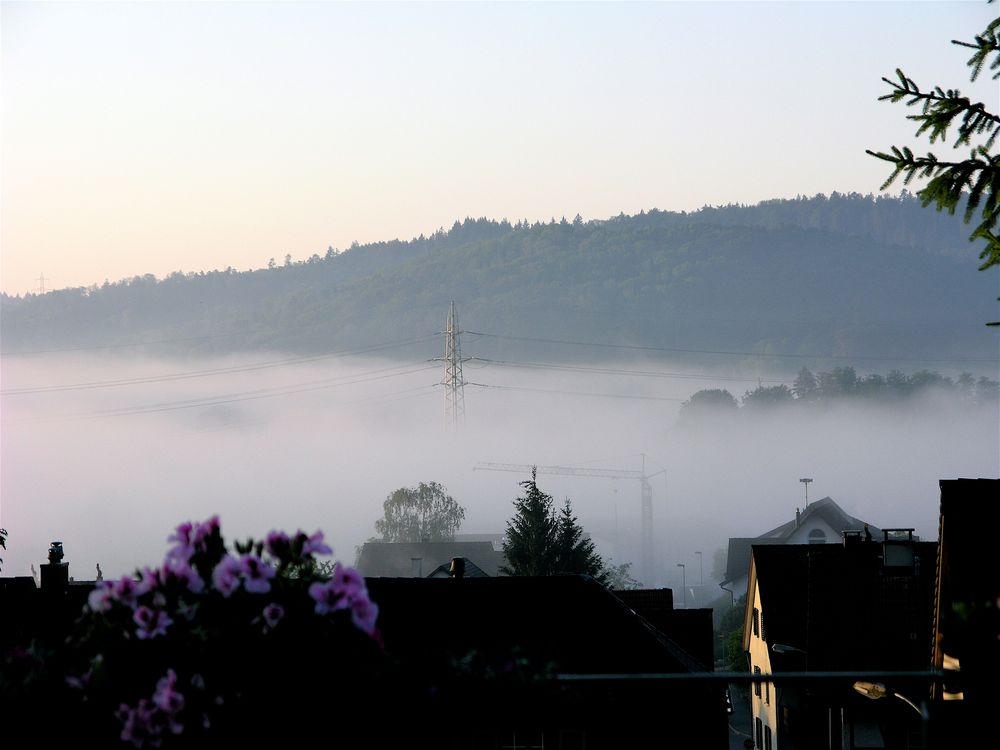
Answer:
(636, 347)
(207, 372)
(573, 393)
(254, 395)
(619, 371)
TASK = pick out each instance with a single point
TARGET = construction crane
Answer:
(646, 547)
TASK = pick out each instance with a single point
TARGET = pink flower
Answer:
(345, 589)
(273, 614)
(278, 545)
(101, 598)
(364, 612)
(202, 532)
(168, 700)
(226, 576)
(183, 550)
(348, 580)
(179, 571)
(327, 597)
(139, 724)
(314, 545)
(126, 590)
(151, 622)
(257, 574)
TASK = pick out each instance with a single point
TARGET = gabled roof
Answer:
(830, 512)
(843, 606)
(738, 558)
(471, 570)
(572, 622)
(396, 559)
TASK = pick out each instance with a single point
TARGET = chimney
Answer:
(796, 518)
(457, 569)
(55, 574)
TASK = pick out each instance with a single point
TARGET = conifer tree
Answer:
(575, 553)
(530, 541)
(975, 179)
(540, 543)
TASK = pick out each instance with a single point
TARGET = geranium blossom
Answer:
(102, 597)
(226, 576)
(181, 572)
(314, 545)
(151, 622)
(257, 574)
(273, 614)
(168, 700)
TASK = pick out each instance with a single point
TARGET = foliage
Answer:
(423, 513)
(975, 179)
(575, 553)
(730, 636)
(538, 543)
(214, 644)
(839, 384)
(3, 544)
(619, 577)
(706, 403)
(829, 259)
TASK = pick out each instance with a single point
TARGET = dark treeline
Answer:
(821, 276)
(840, 384)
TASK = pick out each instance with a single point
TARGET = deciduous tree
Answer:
(422, 513)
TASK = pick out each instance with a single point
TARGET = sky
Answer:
(156, 137)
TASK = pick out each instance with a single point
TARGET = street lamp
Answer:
(784, 648)
(684, 583)
(806, 482)
(701, 569)
(876, 690)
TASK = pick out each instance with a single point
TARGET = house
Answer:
(859, 606)
(555, 661)
(421, 559)
(966, 619)
(821, 522)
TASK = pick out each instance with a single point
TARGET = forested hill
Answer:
(838, 275)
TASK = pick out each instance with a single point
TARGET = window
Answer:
(756, 685)
(756, 622)
(817, 536)
(767, 692)
(763, 632)
(759, 727)
(767, 738)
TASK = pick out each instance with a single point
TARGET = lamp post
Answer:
(876, 690)
(784, 648)
(806, 482)
(701, 569)
(684, 583)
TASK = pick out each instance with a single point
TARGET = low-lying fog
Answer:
(112, 464)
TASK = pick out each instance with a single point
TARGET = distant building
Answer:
(421, 559)
(821, 522)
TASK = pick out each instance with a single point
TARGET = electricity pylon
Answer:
(454, 380)
(646, 547)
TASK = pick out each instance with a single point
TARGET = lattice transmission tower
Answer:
(454, 380)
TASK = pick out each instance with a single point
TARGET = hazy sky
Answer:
(154, 137)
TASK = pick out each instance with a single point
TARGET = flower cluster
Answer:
(203, 612)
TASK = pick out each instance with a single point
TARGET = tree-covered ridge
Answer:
(818, 276)
(839, 384)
